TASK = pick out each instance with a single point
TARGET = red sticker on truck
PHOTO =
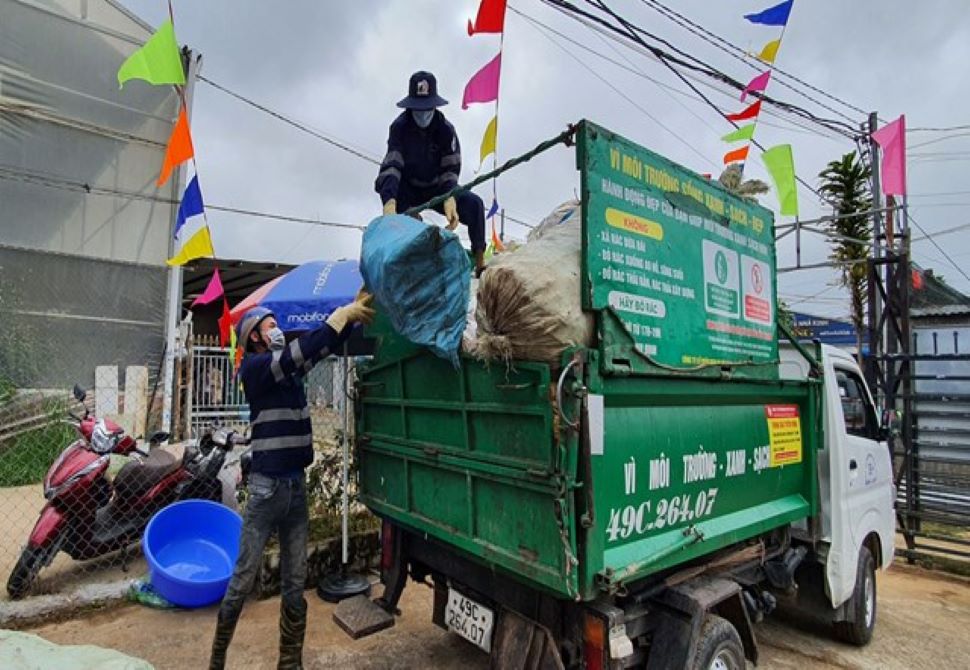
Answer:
(784, 435)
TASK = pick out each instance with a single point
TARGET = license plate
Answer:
(469, 619)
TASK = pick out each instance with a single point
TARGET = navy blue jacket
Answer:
(426, 159)
(281, 437)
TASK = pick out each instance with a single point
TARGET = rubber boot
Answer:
(479, 263)
(225, 627)
(292, 632)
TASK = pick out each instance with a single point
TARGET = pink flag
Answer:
(759, 83)
(212, 291)
(483, 87)
(892, 138)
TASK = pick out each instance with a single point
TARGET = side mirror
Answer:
(890, 424)
(80, 393)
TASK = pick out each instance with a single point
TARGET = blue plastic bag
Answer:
(419, 274)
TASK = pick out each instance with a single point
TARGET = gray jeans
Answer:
(278, 504)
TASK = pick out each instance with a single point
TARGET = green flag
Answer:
(158, 62)
(781, 166)
(742, 133)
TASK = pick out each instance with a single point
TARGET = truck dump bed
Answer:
(661, 471)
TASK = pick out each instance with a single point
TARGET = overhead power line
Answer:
(938, 247)
(678, 58)
(944, 129)
(672, 91)
(51, 181)
(631, 32)
(339, 144)
(740, 54)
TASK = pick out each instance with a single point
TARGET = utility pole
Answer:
(876, 271)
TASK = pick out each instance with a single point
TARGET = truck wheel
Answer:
(858, 631)
(719, 647)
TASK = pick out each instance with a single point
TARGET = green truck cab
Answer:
(641, 503)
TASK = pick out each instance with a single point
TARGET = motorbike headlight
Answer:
(101, 439)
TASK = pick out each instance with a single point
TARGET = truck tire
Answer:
(858, 631)
(719, 646)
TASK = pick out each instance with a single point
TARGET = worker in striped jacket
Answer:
(272, 374)
(423, 161)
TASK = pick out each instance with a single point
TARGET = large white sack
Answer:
(529, 305)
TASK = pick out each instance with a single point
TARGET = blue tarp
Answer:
(419, 275)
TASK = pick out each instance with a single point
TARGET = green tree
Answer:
(844, 186)
(785, 315)
(749, 189)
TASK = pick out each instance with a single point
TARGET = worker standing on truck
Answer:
(423, 161)
(282, 446)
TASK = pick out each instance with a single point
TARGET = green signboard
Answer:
(686, 267)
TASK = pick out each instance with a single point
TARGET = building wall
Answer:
(84, 231)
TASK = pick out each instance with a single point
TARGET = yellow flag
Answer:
(197, 246)
(488, 141)
(769, 51)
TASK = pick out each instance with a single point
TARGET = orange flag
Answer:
(736, 155)
(179, 147)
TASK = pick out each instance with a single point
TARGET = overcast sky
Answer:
(340, 67)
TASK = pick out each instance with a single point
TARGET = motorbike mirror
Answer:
(79, 393)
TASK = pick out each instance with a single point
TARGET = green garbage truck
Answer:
(647, 499)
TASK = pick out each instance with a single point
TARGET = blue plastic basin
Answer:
(191, 547)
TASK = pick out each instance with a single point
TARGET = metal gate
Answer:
(934, 471)
(213, 395)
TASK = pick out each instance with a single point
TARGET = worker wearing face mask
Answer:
(424, 160)
(272, 373)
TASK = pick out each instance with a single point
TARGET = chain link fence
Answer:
(83, 522)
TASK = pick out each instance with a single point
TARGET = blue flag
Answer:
(493, 210)
(191, 204)
(773, 16)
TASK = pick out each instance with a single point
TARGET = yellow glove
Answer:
(356, 312)
(390, 207)
(451, 213)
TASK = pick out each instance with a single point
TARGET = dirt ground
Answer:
(923, 619)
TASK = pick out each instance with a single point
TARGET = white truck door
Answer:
(861, 486)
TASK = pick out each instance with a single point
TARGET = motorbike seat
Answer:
(136, 477)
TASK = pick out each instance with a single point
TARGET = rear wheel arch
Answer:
(874, 544)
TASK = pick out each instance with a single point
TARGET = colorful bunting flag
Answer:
(490, 19)
(179, 147)
(749, 112)
(892, 139)
(742, 133)
(770, 51)
(781, 166)
(212, 291)
(483, 86)
(489, 139)
(493, 210)
(197, 246)
(157, 62)
(226, 334)
(191, 204)
(496, 240)
(773, 16)
(759, 83)
(738, 155)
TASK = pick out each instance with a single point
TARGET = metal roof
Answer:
(239, 278)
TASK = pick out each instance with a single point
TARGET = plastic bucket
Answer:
(191, 547)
